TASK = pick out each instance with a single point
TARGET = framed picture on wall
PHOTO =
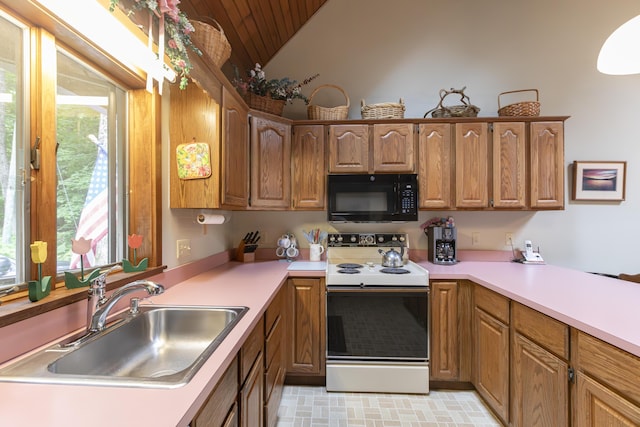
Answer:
(594, 180)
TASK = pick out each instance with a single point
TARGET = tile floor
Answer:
(309, 406)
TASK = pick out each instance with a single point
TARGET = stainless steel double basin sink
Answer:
(160, 346)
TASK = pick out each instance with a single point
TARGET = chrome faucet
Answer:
(97, 293)
(99, 305)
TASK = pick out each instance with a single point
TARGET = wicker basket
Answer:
(265, 103)
(466, 109)
(520, 109)
(316, 112)
(211, 41)
(385, 110)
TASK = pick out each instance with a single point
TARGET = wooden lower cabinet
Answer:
(607, 391)
(251, 396)
(306, 327)
(274, 360)
(540, 386)
(539, 369)
(491, 350)
(450, 334)
(220, 408)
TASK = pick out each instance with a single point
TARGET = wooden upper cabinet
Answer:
(435, 171)
(235, 152)
(308, 167)
(509, 165)
(393, 147)
(270, 163)
(194, 117)
(472, 165)
(348, 148)
(547, 165)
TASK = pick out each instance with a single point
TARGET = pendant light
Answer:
(620, 53)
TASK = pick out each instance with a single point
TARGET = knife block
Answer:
(243, 256)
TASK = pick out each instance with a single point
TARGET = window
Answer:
(12, 148)
(89, 116)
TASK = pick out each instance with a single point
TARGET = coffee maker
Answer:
(442, 245)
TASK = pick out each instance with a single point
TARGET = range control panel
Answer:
(356, 240)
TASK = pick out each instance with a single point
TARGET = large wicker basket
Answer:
(265, 103)
(211, 41)
(316, 112)
(384, 110)
(520, 109)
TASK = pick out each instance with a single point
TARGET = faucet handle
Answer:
(134, 305)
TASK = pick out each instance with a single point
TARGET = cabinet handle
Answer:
(571, 374)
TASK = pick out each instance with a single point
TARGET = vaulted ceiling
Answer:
(256, 29)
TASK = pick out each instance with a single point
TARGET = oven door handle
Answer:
(386, 289)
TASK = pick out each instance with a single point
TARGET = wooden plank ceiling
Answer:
(256, 29)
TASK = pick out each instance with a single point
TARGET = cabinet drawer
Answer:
(221, 400)
(273, 403)
(275, 310)
(493, 303)
(250, 350)
(273, 342)
(272, 373)
(549, 333)
(610, 365)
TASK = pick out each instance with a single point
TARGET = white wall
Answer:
(414, 48)
(381, 51)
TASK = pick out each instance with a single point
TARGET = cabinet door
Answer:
(306, 319)
(540, 386)
(472, 179)
(221, 402)
(235, 152)
(348, 148)
(444, 331)
(509, 165)
(435, 174)
(547, 165)
(308, 167)
(597, 405)
(492, 362)
(251, 396)
(194, 117)
(393, 148)
(270, 163)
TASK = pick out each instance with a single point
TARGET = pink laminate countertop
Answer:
(234, 284)
(604, 307)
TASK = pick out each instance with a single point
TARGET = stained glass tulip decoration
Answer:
(40, 288)
(135, 241)
(81, 247)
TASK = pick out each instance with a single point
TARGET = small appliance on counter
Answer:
(441, 235)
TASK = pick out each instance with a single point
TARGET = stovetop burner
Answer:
(349, 265)
(349, 271)
(394, 270)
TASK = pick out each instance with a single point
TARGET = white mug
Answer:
(292, 252)
(315, 251)
(280, 251)
(284, 242)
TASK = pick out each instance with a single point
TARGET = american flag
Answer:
(94, 218)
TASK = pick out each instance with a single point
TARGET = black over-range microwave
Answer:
(372, 198)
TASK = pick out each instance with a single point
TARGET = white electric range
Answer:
(377, 316)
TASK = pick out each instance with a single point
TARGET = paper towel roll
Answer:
(211, 219)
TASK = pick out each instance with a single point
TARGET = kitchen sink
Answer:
(160, 346)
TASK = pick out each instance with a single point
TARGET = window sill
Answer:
(21, 308)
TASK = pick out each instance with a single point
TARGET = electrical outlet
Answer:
(475, 238)
(508, 239)
(183, 248)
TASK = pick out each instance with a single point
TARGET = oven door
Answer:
(378, 324)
